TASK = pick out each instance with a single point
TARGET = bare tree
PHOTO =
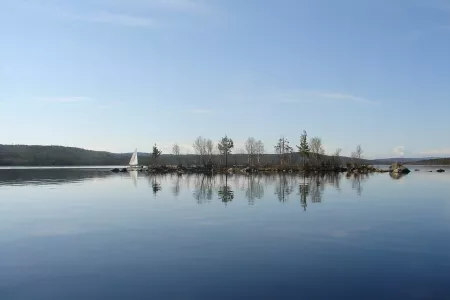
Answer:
(359, 151)
(199, 146)
(357, 155)
(176, 150)
(336, 158)
(259, 150)
(316, 148)
(209, 148)
(250, 147)
(283, 150)
(240, 151)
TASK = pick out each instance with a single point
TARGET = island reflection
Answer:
(285, 187)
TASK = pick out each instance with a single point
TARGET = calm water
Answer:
(90, 234)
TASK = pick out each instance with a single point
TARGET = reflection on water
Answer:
(396, 176)
(114, 236)
(357, 181)
(154, 183)
(203, 187)
(255, 188)
(134, 177)
(50, 176)
(226, 194)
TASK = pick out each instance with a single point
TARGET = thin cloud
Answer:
(132, 13)
(120, 19)
(344, 97)
(186, 6)
(200, 111)
(70, 99)
(182, 5)
(310, 97)
(436, 152)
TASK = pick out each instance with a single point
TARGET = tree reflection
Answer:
(176, 186)
(284, 187)
(333, 179)
(357, 180)
(203, 188)
(303, 191)
(255, 190)
(156, 186)
(225, 192)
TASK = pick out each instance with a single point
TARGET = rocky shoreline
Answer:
(362, 169)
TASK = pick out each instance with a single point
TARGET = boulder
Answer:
(399, 169)
(115, 170)
(440, 170)
(124, 170)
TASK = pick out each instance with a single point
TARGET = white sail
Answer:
(134, 159)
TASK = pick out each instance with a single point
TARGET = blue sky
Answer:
(115, 75)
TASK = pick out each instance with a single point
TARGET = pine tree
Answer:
(156, 152)
(303, 149)
(225, 146)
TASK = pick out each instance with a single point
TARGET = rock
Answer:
(417, 170)
(399, 168)
(440, 170)
(124, 170)
(115, 170)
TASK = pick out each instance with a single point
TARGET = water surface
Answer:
(93, 234)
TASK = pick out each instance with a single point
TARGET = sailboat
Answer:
(133, 164)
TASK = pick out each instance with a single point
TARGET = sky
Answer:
(117, 75)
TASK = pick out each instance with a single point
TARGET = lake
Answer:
(92, 234)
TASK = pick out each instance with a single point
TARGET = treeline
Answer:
(23, 155)
(309, 153)
(433, 162)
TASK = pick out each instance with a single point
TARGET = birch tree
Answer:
(176, 150)
(199, 146)
(250, 147)
(259, 148)
(316, 148)
(283, 150)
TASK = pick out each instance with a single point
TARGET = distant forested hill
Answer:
(24, 155)
(435, 162)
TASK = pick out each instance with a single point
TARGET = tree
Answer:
(359, 151)
(199, 146)
(316, 148)
(156, 153)
(209, 148)
(176, 150)
(225, 147)
(336, 158)
(357, 155)
(250, 147)
(303, 149)
(259, 150)
(283, 149)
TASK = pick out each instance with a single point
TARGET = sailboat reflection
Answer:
(134, 177)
